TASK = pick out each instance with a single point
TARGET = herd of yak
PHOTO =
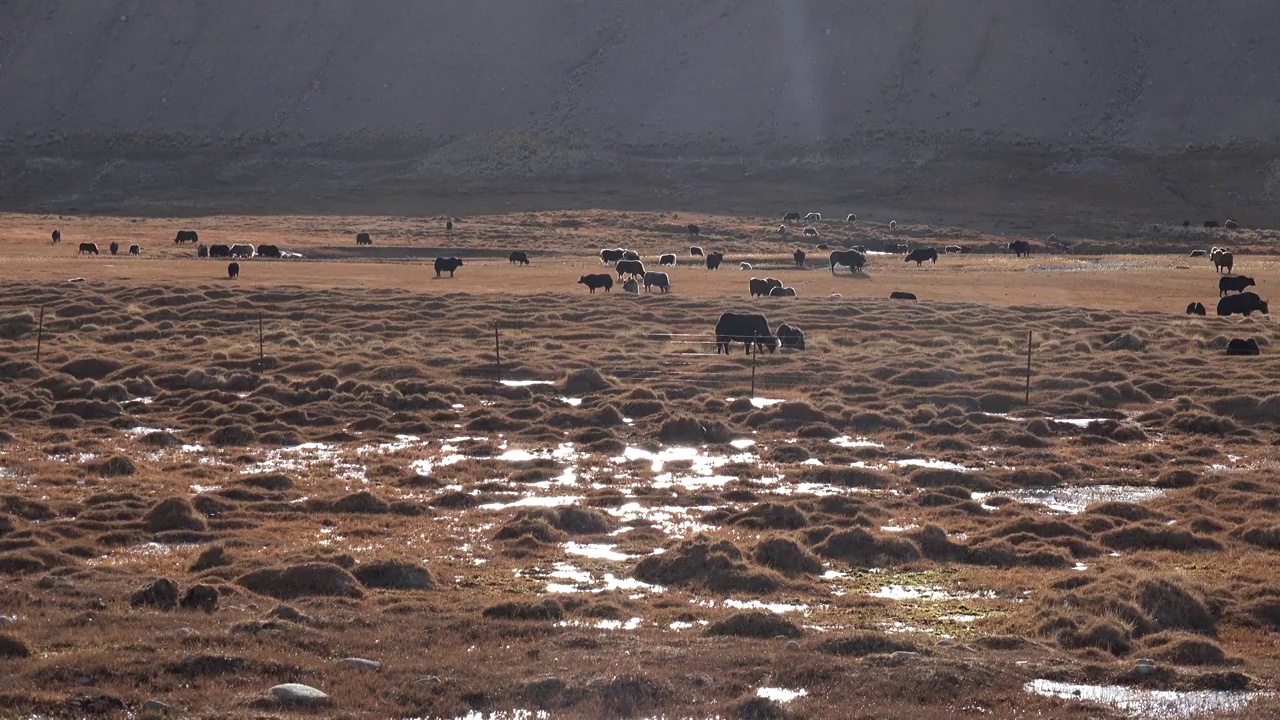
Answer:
(1233, 297)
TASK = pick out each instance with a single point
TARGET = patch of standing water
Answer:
(780, 695)
(1138, 702)
(932, 464)
(525, 383)
(927, 592)
(304, 457)
(762, 402)
(1074, 500)
(674, 520)
(743, 444)
(583, 581)
(598, 552)
(575, 402)
(845, 441)
(556, 501)
(702, 464)
(631, 624)
(775, 608)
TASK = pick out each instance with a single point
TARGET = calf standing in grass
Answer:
(658, 279)
(597, 281)
(233, 270)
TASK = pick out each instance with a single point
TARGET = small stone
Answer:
(1144, 666)
(793, 645)
(946, 643)
(162, 594)
(155, 706)
(98, 604)
(903, 655)
(360, 663)
(428, 680)
(47, 582)
(187, 632)
(201, 597)
(8, 619)
(300, 694)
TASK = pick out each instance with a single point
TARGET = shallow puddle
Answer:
(631, 624)
(1074, 500)
(775, 608)
(1162, 704)
(927, 592)
(761, 402)
(584, 581)
(554, 501)
(525, 383)
(933, 464)
(676, 521)
(846, 441)
(596, 552)
(780, 695)
(307, 457)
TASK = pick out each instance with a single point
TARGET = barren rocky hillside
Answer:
(1171, 106)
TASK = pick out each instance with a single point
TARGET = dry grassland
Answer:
(889, 527)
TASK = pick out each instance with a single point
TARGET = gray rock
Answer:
(428, 680)
(300, 694)
(946, 643)
(48, 582)
(155, 706)
(793, 645)
(8, 619)
(360, 663)
(292, 614)
(187, 632)
(1144, 666)
(903, 655)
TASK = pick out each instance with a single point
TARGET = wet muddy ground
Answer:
(620, 529)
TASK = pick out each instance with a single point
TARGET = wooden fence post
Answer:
(1027, 397)
(497, 351)
(40, 335)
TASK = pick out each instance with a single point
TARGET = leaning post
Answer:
(1027, 396)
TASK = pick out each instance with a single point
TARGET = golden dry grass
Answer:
(360, 354)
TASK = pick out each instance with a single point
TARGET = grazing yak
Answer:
(202, 251)
(746, 328)
(745, 266)
(782, 292)
(953, 249)
(518, 257)
(851, 259)
(668, 259)
(1211, 223)
(447, 264)
(1198, 253)
(899, 295)
(609, 257)
(1196, 308)
(694, 229)
(813, 217)
(790, 337)
(893, 224)
(657, 279)
(630, 255)
(243, 250)
(811, 232)
(763, 287)
(269, 251)
(851, 218)
(1232, 225)
(1239, 346)
(135, 250)
(1020, 248)
(219, 251)
(1236, 283)
(364, 239)
(919, 255)
(714, 259)
(634, 268)
(782, 230)
(791, 216)
(186, 236)
(1224, 261)
(696, 251)
(799, 257)
(448, 226)
(88, 248)
(629, 286)
(1245, 304)
(601, 280)
(57, 236)
(114, 247)
(233, 270)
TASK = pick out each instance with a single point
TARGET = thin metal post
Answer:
(1027, 398)
(755, 347)
(497, 350)
(40, 335)
(261, 354)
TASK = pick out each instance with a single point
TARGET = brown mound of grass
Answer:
(754, 624)
(394, 575)
(864, 643)
(682, 430)
(161, 594)
(174, 513)
(305, 580)
(1149, 536)
(861, 548)
(90, 368)
(363, 502)
(275, 482)
(114, 466)
(1175, 607)
(701, 563)
(12, 646)
(773, 516)
(546, 610)
(1184, 649)
(586, 380)
(845, 477)
(785, 556)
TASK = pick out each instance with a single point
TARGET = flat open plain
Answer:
(619, 530)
